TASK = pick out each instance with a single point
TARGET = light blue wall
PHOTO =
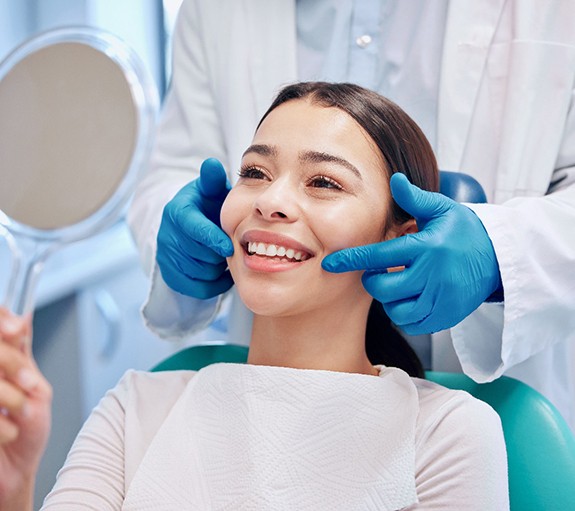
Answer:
(138, 22)
(16, 20)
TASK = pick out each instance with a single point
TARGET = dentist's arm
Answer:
(450, 264)
(191, 244)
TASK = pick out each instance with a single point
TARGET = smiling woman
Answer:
(315, 180)
(314, 420)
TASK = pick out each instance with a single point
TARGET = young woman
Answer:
(319, 418)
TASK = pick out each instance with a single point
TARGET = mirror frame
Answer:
(146, 104)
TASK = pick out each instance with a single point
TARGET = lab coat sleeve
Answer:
(534, 239)
(189, 132)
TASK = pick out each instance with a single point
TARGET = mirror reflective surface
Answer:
(64, 124)
(77, 112)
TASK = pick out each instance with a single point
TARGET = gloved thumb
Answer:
(418, 203)
(213, 182)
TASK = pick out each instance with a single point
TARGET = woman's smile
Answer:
(265, 263)
(275, 251)
(270, 251)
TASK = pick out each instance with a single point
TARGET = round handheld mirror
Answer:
(77, 113)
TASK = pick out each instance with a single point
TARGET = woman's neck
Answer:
(313, 340)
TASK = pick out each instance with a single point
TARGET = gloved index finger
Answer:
(213, 182)
(375, 257)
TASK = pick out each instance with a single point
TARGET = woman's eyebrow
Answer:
(262, 149)
(321, 157)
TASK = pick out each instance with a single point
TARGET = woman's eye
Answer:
(324, 182)
(251, 173)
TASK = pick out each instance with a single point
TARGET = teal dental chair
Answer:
(540, 445)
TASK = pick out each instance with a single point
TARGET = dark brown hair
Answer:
(404, 149)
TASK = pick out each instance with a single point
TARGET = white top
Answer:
(244, 437)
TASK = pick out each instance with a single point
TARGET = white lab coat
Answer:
(506, 102)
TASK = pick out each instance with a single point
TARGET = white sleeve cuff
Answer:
(174, 316)
(477, 340)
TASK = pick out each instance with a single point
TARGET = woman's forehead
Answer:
(308, 126)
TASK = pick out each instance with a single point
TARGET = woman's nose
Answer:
(277, 202)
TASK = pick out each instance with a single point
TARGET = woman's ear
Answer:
(409, 227)
(399, 230)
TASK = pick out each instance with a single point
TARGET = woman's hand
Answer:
(25, 401)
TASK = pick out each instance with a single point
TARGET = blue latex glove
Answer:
(450, 264)
(191, 244)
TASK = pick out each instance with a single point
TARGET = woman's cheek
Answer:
(227, 220)
(350, 228)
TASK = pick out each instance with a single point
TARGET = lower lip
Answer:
(269, 264)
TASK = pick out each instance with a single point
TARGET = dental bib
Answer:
(245, 437)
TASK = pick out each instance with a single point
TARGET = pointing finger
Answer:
(376, 257)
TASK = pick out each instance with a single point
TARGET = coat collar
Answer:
(273, 48)
(469, 32)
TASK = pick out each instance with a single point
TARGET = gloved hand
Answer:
(191, 244)
(450, 265)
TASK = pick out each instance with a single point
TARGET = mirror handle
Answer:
(110, 313)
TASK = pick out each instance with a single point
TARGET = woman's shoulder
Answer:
(458, 442)
(163, 385)
(449, 410)
(434, 394)
(145, 397)
(458, 438)
(436, 399)
(144, 401)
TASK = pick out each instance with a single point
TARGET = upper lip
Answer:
(274, 238)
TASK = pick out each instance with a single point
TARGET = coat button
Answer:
(363, 41)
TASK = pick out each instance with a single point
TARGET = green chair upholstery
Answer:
(196, 357)
(540, 445)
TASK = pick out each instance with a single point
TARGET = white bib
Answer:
(245, 437)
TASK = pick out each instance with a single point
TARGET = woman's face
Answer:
(311, 183)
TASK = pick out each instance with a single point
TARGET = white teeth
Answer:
(274, 250)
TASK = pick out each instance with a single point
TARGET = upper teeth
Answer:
(270, 250)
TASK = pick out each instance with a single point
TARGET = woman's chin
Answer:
(267, 307)
(270, 303)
